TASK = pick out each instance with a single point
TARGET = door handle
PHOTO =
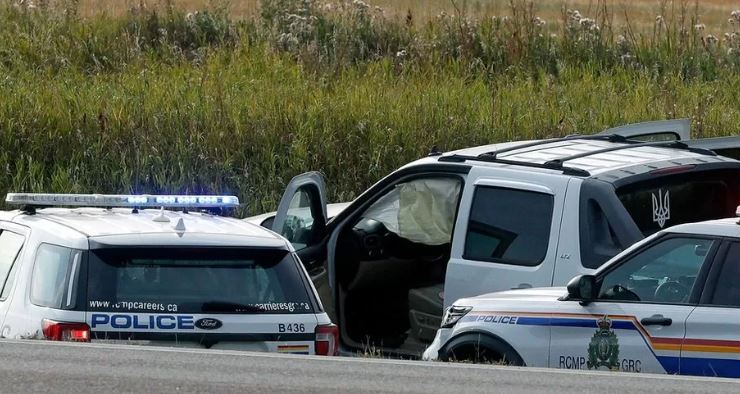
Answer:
(522, 286)
(656, 320)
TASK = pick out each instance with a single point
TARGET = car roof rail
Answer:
(490, 158)
(594, 137)
(660, 144)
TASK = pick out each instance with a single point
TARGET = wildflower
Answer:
(361, 5)
(574, 15)
(539, 22)
(730, 51)
(711, 39)
(589, 25)
(401, 54)
(699, 27)
(553, 35)
(659, 20)
(621, 40)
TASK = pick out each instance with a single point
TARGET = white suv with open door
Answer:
(496, 217)
(104, 268)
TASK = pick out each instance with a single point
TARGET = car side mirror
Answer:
(583, 288)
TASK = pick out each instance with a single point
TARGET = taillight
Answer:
(58, 331)
(673, 170)
(327, 340)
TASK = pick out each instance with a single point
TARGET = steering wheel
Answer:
(619, 292)
(671, 291)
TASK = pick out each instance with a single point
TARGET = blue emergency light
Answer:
(121, 200)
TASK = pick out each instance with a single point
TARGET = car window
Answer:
(421, 210)
(509, 226)
(51, 271)
(299, 220)
(10, 246)
(196, 280)
(674, 199)
(662, 273)
(727, 290)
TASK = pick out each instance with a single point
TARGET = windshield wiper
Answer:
(224, 306)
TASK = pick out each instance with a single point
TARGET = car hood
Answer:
(543, 294)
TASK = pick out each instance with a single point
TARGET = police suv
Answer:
(489, 218)
(115, 268)
(669, 304)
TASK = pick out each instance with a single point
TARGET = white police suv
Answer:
(109, 268)
(669, 304)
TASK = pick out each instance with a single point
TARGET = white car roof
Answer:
(719, 227)
(99, 222)
(595, 164)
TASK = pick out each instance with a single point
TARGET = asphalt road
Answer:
(38, 366)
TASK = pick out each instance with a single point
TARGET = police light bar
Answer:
(121, 200)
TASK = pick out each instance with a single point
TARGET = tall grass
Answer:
(165, 101)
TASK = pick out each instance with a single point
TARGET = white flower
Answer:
(587, 23)
(621, 40)
(659, 20)
(402, 53)
(361, 5)
(699, 27)
(711, 39)
(539, 22)
(574, 15)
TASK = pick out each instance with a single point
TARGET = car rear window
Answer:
(681, 198)
(196, 280)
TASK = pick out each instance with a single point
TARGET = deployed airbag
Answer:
(421, 210)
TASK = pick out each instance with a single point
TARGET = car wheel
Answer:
(480, 349)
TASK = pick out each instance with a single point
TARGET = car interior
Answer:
(391, 265)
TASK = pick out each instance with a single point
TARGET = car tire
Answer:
(480, 348)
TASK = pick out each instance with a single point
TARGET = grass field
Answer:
(210, 102)
(642, 12)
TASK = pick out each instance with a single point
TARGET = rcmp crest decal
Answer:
(603, 351)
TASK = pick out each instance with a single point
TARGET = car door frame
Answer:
(705, 305)
(555, 185)
(5, 304)
(315, 185)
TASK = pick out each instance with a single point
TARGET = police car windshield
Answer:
(195, 280)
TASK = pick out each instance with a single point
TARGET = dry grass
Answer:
(641, 13)
(201, 103)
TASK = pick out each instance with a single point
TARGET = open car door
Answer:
(301, 218)
(659, 130)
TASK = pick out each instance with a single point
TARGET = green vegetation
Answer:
(160, 101)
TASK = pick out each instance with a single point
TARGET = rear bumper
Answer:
(297, 347)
